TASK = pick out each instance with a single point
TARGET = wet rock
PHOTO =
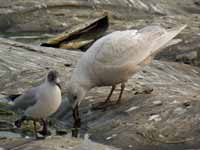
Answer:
(6, 112)
(187, 58)
(143, 90)
(179, 110)
(23, 66)
(61, 132)
(55, 17)
(5, 125)
(55, 143)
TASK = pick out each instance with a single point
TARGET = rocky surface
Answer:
(46, 17)
(51, 15)
(160, 108)
(52, 143)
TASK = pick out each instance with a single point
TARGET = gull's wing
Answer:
(26, 100)
(122, 47)
(122, 53)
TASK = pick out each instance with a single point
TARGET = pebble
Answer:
(157, 103)
(179, 110)
(110, 137)
(155, 118)
(132, 108)
(130, 146)
(27, 137)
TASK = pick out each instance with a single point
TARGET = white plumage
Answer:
(114, 58)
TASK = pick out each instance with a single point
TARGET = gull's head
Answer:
(75, 93)
(53, 78)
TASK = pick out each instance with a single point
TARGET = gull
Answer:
(113, 59)
(40, 102)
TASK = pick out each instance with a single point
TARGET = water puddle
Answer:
(27, 37)
(9, 134)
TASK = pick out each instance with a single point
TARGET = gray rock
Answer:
(188, 58)
(23, 66)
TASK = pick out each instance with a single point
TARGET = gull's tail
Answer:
(164, 40)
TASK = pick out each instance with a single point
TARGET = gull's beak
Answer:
(74, 105)
(58, 83)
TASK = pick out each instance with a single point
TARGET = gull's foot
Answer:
(45, 132)
(102, 105)
(77, 126)
(18, 123)
(75, 132)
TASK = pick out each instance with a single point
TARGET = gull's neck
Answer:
(49, 83)
(86, 85)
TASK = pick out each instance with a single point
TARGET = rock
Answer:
(155, 117)
(55, 143)
(146, 90)
(179, 110)
(132, 108)
(61, 132)
(23, 66)
(53, 17)
(187, 58)
(187, 104)
(157, 103)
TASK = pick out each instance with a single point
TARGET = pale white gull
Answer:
(114, 58)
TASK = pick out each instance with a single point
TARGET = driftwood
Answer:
(80, 37)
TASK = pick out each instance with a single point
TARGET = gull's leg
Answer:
(45, 130)
(110, 94)
(35, 129)
(121, 93)
(104, 104)
(77, 122)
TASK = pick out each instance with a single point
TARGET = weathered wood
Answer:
(80, 37)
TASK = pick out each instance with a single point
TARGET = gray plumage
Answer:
(41, 101)
(24, 101)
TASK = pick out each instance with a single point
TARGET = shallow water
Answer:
(27, 37)
(9, 134)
